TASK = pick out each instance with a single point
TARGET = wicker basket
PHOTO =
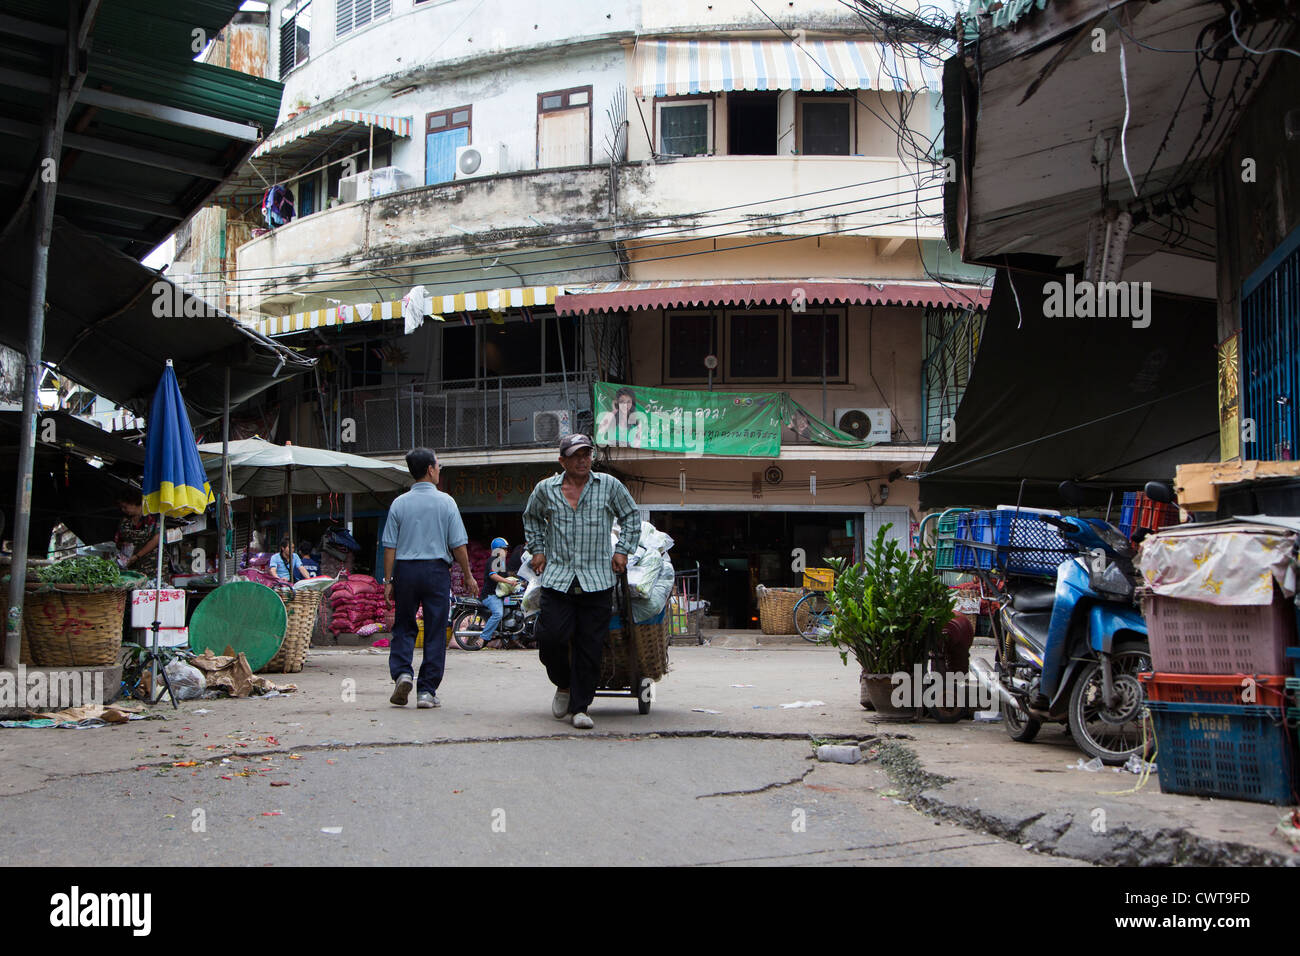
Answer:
(73, 627)
(649, 643)
(776, 609)
(301, 608)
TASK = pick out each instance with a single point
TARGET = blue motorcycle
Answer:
(1071, 653)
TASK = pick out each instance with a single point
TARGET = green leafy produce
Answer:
(86, 569)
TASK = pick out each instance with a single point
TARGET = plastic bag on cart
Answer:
(651, 604)
(644, 572)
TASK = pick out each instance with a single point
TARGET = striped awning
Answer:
(495, 300)
(690, 293)
(333, 123)
(682, 67)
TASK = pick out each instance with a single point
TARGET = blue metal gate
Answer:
(1270, 353)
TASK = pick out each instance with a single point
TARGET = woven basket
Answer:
(649, 643)
(73, 627)
(301, 608)
(776, 609)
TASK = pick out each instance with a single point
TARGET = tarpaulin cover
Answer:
(1230, 565)
(1089, 399)
(111, 323)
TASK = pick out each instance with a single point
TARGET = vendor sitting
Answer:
(137, 533)
(280, 563)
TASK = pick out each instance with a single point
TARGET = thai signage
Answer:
(746, 424)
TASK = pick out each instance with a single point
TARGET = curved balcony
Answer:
(460, 220)
(793, 195)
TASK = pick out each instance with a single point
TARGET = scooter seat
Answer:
(1034, 626)
(1035, 597)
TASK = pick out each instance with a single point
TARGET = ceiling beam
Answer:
(131, 154)
(28, 30)
(104, 197)
(169, 114)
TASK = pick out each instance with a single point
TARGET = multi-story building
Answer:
(498, 205)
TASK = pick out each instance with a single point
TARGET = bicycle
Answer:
(813, 614)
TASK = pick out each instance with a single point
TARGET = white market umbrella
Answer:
(260, 469)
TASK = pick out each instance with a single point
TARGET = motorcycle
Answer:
(517, 627)
(1071, 653)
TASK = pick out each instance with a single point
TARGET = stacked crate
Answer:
(1138, 512)
(1219, 696)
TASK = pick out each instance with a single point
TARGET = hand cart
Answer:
(686, 610)
(636, 655)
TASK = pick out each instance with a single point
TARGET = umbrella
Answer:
(175, 484)
(260, 469)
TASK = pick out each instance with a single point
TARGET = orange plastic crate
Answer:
(1269, 690)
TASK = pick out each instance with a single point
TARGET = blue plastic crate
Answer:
(975, 549)
(1293, 656)
(1128, 514)
(1223, 750)
(1027, 544)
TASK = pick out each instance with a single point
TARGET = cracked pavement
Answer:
(491, 777)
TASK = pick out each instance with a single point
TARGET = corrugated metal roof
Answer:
(130, 171)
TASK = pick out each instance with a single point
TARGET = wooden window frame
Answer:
(670, 101)
(802, 98)
(541, 111)
(668, 316)
(449, 113)
(783, 327)
(840, 312)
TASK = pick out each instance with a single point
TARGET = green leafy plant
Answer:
(890, 609)
(86, 569)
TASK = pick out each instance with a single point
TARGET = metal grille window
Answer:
(295, 35)
(685, 127)
(1270, 350)
(951, 344)
(351, 15)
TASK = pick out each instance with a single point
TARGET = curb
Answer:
(1079, 830)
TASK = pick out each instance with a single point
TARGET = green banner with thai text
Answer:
(742, 424)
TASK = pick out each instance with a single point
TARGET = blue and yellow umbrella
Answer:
(175, 483)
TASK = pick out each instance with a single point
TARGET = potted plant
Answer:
(887, 612)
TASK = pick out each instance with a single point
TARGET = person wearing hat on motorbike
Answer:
(496, 570)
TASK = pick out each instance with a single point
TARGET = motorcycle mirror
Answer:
(1073, 492)
(1159, 491)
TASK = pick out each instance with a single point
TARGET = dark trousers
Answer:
(571, 634)
(417, 584)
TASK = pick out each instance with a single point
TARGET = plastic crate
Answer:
(1268, 690)
(1220, 750)
(945, 554)
(1154, 515)
(1293, 655)
(1191, 637)
(1028, 544)
(975, 549)
(819, 579)
(948, 521)
(1128, 513)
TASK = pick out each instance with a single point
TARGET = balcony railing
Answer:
(515, 411)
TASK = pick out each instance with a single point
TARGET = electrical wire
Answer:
(1123, 133)
(1232, 22)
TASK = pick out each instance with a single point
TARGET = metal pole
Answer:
(42, 228)
(223, 502)
(154, 696)
(824, 363)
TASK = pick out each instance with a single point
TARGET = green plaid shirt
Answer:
(576, 540)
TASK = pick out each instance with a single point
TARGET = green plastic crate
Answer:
(948, 522)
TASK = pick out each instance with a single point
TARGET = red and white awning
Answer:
(630, 296)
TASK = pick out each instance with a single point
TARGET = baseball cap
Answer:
(571, 443)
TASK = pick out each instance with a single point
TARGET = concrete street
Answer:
(491, 777)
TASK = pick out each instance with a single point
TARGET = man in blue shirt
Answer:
(568, 522)
(424, 531)
(307, 566)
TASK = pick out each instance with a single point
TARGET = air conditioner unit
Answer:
(475, 161)
(865, 424)
(372, 183)
(551, 426)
